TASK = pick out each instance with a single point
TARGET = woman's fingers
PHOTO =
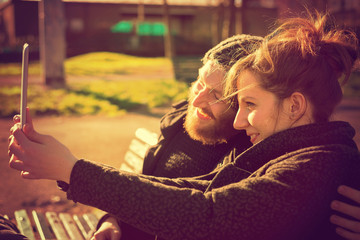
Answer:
(14, 128)
(16, 119)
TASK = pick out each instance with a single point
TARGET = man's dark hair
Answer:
(229, 51)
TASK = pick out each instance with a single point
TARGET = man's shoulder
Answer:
(178, 110)
(183, 104)
(175, 117)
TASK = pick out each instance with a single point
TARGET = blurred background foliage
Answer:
(101, 86)
(102, 83)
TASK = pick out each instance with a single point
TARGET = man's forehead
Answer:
(212, 72)
(209, 67)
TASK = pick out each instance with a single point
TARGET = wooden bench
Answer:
(134, 157)
(186, 68)
(51, 225)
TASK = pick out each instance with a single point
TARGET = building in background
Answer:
(137, 26)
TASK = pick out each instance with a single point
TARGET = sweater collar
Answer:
(293, 139)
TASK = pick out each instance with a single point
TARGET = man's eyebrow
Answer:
(213, 89)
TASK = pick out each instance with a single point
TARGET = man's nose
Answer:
(201, 98)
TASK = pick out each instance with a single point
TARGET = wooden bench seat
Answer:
(50, 225)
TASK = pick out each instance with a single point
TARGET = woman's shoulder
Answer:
(317, 158)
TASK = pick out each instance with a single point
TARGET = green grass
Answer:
(98, 64)
(98, 95)
(103, 63)
(109, 98)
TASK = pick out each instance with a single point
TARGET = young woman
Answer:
(280, 188)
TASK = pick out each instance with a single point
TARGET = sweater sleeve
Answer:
(280, 197)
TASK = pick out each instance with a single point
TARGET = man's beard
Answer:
(216, 130)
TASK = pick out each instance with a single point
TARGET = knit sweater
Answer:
(280, 188)
(177, 155)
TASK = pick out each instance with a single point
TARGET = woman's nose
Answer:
(240, 121)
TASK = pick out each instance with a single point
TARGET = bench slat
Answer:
(126, 167)
(139, 148)
(146, 136)
(82, 225)
(134, 157)
(42, 225)
(132, 162)
(91, 220)
(56, 226)
(24, 224)
(70, 226)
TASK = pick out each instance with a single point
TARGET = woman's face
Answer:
(260, 113)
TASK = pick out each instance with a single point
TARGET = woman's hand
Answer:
(348, 229)
(109, 230)
(38, 156)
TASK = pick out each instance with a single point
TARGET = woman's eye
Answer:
(250, 105)
(216, 97)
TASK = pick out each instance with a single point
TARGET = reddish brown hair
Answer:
(304, 55)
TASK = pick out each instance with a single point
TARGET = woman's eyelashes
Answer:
(249, 105)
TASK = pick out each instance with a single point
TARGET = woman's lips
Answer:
(202, 115)
(253, 137)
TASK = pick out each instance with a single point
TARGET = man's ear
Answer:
(297, 105)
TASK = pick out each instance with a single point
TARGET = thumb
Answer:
(29, 130)
(31, 134)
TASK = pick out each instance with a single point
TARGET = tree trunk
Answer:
(52, 42)
(215, 26)
(243, 17)
(228, 28)
(168, 48)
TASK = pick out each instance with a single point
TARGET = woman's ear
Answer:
(297, 105)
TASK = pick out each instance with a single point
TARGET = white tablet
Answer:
(24, 84)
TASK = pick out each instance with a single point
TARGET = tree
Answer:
(228, 28)
(168, 46)
(52, 42)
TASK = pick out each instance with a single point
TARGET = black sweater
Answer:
(280, 188)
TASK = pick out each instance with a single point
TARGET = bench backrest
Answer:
(134, 157)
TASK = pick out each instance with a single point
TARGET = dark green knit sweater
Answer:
(280, 188)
